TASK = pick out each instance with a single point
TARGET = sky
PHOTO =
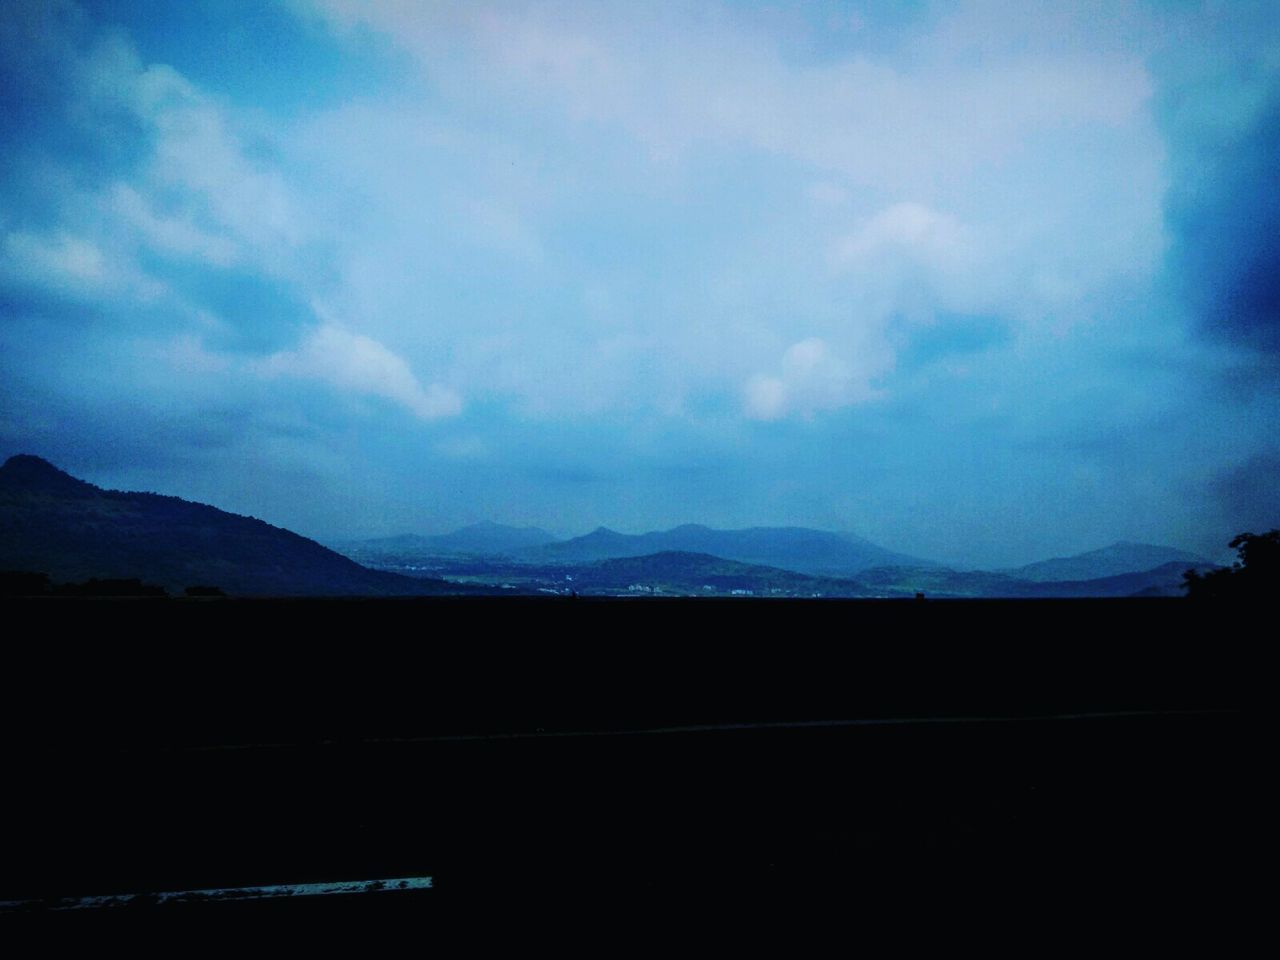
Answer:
(983, 282)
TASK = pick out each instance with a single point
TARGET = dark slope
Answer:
(813, 552)
(1119, 558)
(53, 523)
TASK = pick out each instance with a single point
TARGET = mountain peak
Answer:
(30, 473)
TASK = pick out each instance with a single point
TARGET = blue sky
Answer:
(984, 282)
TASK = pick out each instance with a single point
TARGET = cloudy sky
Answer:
(984, 282)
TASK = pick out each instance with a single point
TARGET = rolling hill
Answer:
(1119, 558)
(812, 552)
(699, 574)
(1162, 581)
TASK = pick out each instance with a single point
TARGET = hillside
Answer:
(812, 552)
(1162, 581)
(700, 574)
(53, 523)
(1119, 558)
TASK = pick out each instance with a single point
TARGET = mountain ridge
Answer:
(1115, 559)
(69, 529)
(799, 549)
(485, 538)
(55, 523)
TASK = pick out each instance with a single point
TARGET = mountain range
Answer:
(799, 549)
(812, 552)
(485, 539)
(816, 553)
(71, 530)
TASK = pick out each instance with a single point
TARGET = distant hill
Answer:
(813, 552)
(1162, 581)
(478, 540)
(700, 574)
(683, 573)
(1119, 558)
(52, 523)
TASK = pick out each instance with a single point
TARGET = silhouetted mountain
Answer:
(1119, 558)
(26, 476)
(813, 552)
(52, 523)
(478, 540)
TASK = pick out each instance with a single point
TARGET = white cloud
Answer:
(681, 76)
(185, 355)
(812, 379)
(197, 150)
(766, 398)
(352, 362)
(195, 193)
(73, 264)
(59, 258)
(177, 235)
(971, 163)
(909, 227)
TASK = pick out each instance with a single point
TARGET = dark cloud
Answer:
(1222, 122)
(1248, 495)
(57, 102)
(259, 314)
(36, 43)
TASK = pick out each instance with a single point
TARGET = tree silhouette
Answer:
(1256, 574)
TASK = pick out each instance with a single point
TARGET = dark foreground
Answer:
(855, 757)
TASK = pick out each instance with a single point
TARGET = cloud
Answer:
(620, 231)
(700, 73)
(909, 228)
(133, 156)
(56, 260)
(355, 363)
(975, 164)
(72, 266)
(1220, 112)
(177, 236)
(1247, 495)
(195, 162)
(812, 380)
